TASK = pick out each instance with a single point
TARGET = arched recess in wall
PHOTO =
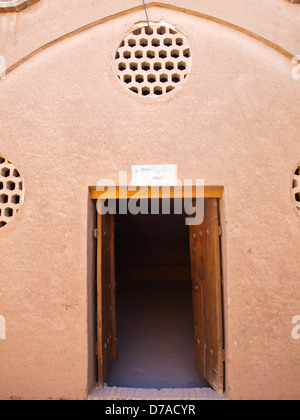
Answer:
(162, 6)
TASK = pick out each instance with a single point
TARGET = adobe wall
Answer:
(67, 122)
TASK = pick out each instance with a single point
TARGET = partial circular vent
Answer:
(11, 191)
(296, 188)
(153, 60)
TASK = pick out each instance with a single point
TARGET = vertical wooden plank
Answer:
(207, 297)
(99, 303)
(198, 300)
(104, 300)
(113, 288)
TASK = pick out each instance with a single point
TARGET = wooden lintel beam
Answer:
(155, 192)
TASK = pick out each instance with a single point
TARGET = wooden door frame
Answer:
(118, 193)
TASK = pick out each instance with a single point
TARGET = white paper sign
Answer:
(154, 175)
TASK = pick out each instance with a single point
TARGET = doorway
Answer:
(160, 318)
(154, 304)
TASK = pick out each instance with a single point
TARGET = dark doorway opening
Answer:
(154, 304)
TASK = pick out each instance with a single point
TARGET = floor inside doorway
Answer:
(155, 332)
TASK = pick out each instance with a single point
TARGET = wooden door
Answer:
(207, 297)
(107, 345)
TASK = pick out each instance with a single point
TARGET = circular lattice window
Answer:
(11, 191)
(296, 188)
(153, 60)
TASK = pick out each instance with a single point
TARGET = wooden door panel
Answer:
(106, 299)
(113, 288)
(207, 297)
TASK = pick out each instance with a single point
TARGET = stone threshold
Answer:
(115, 393)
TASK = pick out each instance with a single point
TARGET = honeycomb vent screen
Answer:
(153, 60)
(296, 188)
(11, 191)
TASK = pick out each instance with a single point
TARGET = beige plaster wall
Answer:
(22, 33)
(67, 122)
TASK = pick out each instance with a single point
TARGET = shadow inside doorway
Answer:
(155, 332)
